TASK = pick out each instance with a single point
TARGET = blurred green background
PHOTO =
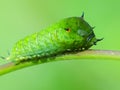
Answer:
(19, 18)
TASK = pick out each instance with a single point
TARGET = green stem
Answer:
(10, 66)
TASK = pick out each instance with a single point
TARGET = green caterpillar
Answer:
(67, 35)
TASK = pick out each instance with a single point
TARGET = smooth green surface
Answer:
(19, 18)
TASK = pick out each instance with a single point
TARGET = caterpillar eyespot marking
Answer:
(67, 29)
(54, 40)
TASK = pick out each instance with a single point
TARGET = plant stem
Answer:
(10, 66)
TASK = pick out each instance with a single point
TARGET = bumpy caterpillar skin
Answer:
(69, 34)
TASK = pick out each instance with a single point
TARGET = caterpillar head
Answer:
(78, 27)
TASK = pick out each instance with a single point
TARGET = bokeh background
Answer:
(19, 18)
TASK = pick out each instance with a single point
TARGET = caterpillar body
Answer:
(69, 34)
